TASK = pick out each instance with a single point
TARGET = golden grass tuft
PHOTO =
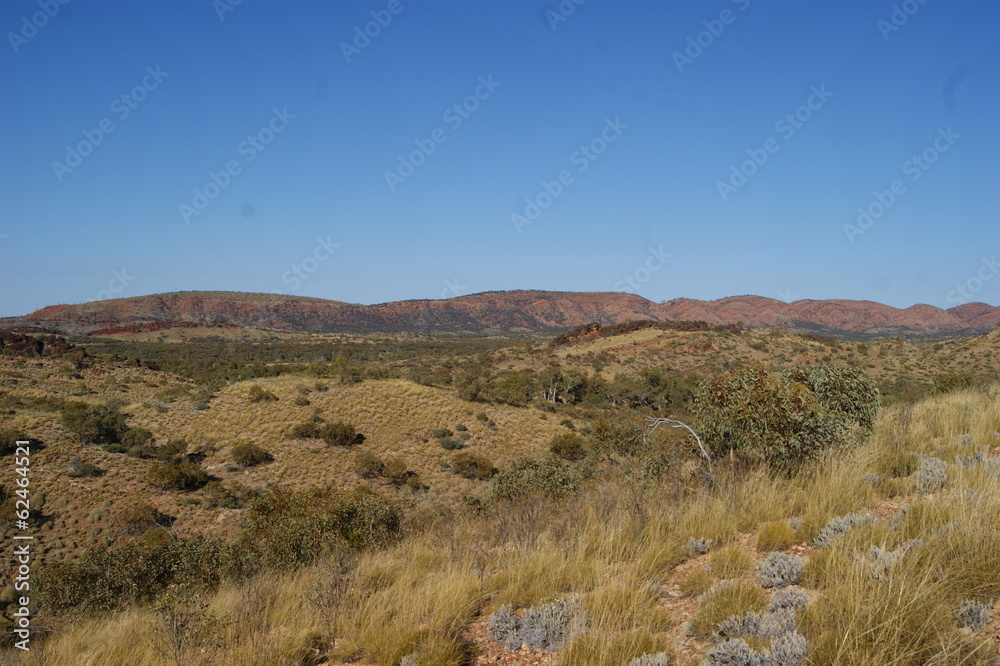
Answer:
(729, 562)
(723, 601)
(775, 535)
(697, 583)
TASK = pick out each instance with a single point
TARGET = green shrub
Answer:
(96, 424)
(258, 394)
(8, 440)
(79, 468)
(137, 437)
(284, 528)
(396, 471)
(846, 391)
(340, 433)
(130, 571)
(367, 465)
(617, 435)
(472, 465)
(228, 495)
(177, 476)
(568, 446)
(306, 430)
(524, 477)
(170, 451)
(246, 454)
(173, 448)
(954, 381)
(451, 443)
(774, 418)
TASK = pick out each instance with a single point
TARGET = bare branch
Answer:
(654, 423)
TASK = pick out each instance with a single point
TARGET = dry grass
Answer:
(724, 600)
(605, 544)
(775, 535)
(729, 562)
(697, 583)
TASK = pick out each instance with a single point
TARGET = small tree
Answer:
(765, 417)
(847, 391)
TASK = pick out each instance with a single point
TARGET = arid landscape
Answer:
(218, 492)
(536, 333)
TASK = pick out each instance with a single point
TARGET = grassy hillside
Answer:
(625, 557)
(644, 552)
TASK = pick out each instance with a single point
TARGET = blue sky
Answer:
(645, 130)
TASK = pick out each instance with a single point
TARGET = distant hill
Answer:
(500, 311)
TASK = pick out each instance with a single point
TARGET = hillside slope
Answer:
(491, 312)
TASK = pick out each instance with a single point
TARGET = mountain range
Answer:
(493, 312)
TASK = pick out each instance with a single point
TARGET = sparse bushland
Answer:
(282, 531)
(854, 618)
(338, 433)
(353, 578)
(96, 424)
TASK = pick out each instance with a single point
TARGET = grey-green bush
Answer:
(779, 570)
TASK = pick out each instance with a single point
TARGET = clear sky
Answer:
(595, 146)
